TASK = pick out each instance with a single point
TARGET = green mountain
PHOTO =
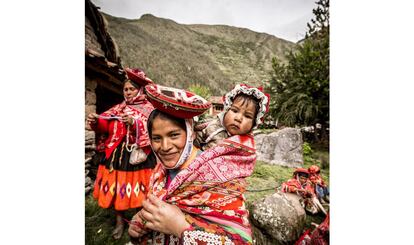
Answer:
(179, 55)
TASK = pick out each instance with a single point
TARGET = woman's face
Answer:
(302, 180)
(129, 91)
(167, 140)
(239, 118)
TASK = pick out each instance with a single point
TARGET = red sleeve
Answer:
(101, 126)
(288, 187)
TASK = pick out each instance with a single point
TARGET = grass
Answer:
(99, 222)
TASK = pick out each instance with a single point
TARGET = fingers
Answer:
(147, 216)
(136, 228)
(135, 231)
(152, 211)
(127, 119)
(155, 200)
(151, 204)
(91, 118)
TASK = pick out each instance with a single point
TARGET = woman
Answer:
(119, 183)
(194, 196)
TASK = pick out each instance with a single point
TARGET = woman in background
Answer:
(120, 184)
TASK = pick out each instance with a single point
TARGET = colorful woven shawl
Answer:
(209, 190)
(139, 108)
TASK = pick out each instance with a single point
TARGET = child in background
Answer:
(244, 110)
(301, 186)
(320, 187)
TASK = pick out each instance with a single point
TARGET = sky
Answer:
(285, 19)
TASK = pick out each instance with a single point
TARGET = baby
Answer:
(244, 109)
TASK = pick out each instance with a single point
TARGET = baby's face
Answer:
(240, 117)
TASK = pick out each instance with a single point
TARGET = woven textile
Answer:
(209, 189)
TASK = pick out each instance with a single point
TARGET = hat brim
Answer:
(138, 77)
(164, 100)
(301, 170)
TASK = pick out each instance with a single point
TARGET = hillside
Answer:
(178, 55)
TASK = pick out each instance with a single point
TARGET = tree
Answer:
(320, 24)
(201, 90)
(300, 88)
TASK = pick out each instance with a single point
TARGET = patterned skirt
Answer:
(120, 184)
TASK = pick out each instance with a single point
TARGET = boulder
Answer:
(283, 147)
(278, 219)
(261, 238)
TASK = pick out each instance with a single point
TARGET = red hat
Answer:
(301, 170)
(176, 102)
(138, 76)
(314, 169)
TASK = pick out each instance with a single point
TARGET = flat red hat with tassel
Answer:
(138, 76)
(177, 102)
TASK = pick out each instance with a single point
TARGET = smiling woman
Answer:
(194, 196)
(168, 137)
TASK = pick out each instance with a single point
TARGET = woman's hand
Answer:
(136, 228)
(127, 119)
(163, 217)
(92, 118)
(306, 193)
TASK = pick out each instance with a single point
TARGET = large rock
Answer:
(283, 147)
(278, 219)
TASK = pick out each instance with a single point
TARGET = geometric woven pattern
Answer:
(122, 190)
(136, 189)
(128, 190)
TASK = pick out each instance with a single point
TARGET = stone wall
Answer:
(90, 95)
(90, 107)
(91, 40)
